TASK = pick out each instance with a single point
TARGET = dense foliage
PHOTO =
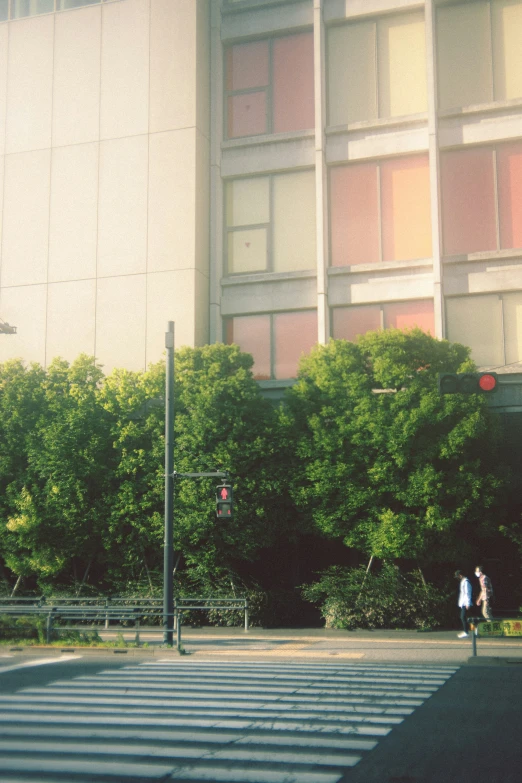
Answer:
(356, 598)
(388, 464)
(364, 458)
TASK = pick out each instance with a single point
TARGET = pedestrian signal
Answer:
(224, 504)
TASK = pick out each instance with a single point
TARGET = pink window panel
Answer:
(294, 334)
(509, 167)
(248, 66)
(252, 334)
(407, 315)
(247, 114)
(293, 83)
(354, 215)
(468, 201)
(348, 322)
(405, 209)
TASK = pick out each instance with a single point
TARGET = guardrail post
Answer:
(178, 633)
(49, 627)
(106, 613)
(246, 615)
(137, 632)
(175, 607)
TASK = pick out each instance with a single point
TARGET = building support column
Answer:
(434, 164)
(321, 176)
(216, 184)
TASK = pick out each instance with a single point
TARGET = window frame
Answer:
(381, 306)
(493, 149)
(378, 165)
(268, 90)
(228, 320)
(500, 297)
(268, 227)
(491, 56)
(379, 65)
(9, 14)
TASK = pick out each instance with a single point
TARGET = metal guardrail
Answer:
(101, 610)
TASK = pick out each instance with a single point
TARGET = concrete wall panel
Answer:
(74, 212)
(125, 69)
(25, 308)
(122, 215)
(172, 57)
(25, 236)
(76, 94)
(70, 319)
(120, 322)
(4, 39)
(172, 200)
(29, 85)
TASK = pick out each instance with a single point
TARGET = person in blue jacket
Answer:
(464, 601)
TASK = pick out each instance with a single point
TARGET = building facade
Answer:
(264, 172)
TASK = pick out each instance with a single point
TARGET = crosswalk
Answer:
(228, 722)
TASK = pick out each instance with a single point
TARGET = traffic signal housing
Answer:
(467, 382)
(224, 502)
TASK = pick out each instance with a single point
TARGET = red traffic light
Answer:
(488, 381)
(467, 383)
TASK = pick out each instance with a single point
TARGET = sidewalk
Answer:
(309, 643)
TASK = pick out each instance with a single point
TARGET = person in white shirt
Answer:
(464, 601)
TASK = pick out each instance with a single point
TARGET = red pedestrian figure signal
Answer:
(224, 506)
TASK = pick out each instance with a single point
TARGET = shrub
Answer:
(350, 598)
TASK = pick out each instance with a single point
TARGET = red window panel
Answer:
(252, 334)
(348, 322)
(509, 168)
(247, 114)
(294, 334)
(354, 214)
(468, 201)
(406, 315)
(293, 85)
(248, 66)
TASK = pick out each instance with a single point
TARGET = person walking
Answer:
(464, 601)
(486, 593)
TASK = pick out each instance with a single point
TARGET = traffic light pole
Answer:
(168, 551)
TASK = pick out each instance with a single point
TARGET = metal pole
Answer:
(168, 552)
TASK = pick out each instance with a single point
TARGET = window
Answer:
(17, 9)
(270, 86)
(387, 57)
(275, 341)
(490, 324)
(21, 8)
(348, 322)
(271, 223)
(380, 211)
(482, 199)
(479, 53)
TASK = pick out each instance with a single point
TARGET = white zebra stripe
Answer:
(226, 722)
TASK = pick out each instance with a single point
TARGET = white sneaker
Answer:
(462, 635)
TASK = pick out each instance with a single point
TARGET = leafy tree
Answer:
(390, 466)
(22, 402)
(221, 423)
(54, 531)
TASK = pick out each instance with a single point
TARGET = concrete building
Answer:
(267, 172)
